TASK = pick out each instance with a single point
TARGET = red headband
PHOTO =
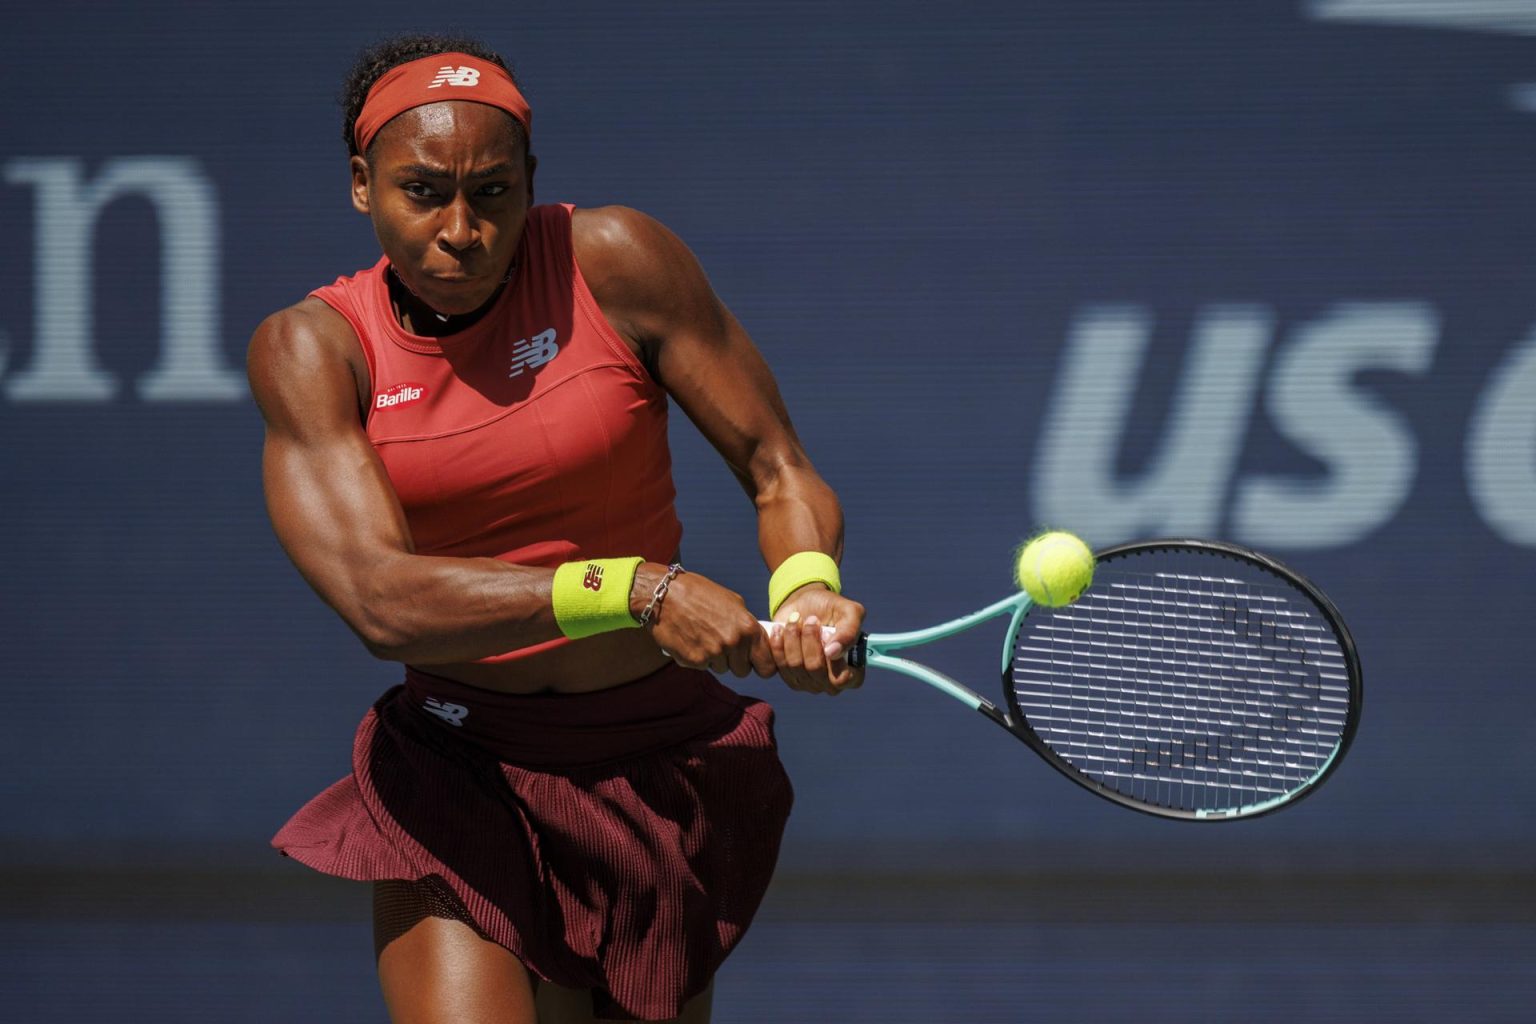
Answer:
(443, 76)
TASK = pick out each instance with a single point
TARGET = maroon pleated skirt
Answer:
(618, 841)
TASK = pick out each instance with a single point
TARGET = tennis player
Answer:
(564, 815)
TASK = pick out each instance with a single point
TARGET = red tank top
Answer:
(535, 436)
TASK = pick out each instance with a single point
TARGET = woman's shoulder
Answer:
(628, 256)
(307, 324)
(612, 227)
(305, 339)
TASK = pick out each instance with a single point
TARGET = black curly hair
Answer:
(374, 60)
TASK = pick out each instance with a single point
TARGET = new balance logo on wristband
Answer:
(453, 714)
(450, 75)
(593, 580)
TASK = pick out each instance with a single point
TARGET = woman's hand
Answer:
(700, 624)
(803, 659)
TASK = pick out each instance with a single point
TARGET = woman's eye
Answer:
(416, 188)
(493, 190)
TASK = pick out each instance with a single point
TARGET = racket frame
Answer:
(872, 650)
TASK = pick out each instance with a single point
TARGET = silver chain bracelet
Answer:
(659, 594)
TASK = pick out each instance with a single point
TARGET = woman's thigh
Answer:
(435, 968)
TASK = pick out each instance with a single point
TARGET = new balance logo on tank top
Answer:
(535, 436)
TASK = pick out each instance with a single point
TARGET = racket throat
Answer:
(997, 715)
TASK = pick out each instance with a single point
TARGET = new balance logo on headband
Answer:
(453, 714)
(450, 75)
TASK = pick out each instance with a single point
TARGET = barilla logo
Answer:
(399, 394)
(594, 578)
(450, 75)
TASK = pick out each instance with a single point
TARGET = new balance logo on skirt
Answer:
(453, 714)
(594, 578)
(450, 75)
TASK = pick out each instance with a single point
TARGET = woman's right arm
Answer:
(337, 516)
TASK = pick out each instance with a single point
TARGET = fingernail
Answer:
(833, 650)
(794, 617)
(810, 620)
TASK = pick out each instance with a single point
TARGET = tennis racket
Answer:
(1193, 680)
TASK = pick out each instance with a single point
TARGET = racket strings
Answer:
(1189, 691)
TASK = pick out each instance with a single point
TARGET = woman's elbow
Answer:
(381, 636)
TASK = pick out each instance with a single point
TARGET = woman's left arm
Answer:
(656, 295)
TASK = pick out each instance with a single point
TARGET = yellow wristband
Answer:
(592, 597)
(796, 571)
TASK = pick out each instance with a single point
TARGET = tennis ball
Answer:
(1054, 568)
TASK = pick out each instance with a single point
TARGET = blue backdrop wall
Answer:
(1257, 271)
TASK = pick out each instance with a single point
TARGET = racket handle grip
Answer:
(827, 632)
(855, 653)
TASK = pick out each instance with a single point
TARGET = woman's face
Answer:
(448, 191)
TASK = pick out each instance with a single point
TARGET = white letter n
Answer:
(64, 366)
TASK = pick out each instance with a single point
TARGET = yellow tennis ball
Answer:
(1054, 568)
